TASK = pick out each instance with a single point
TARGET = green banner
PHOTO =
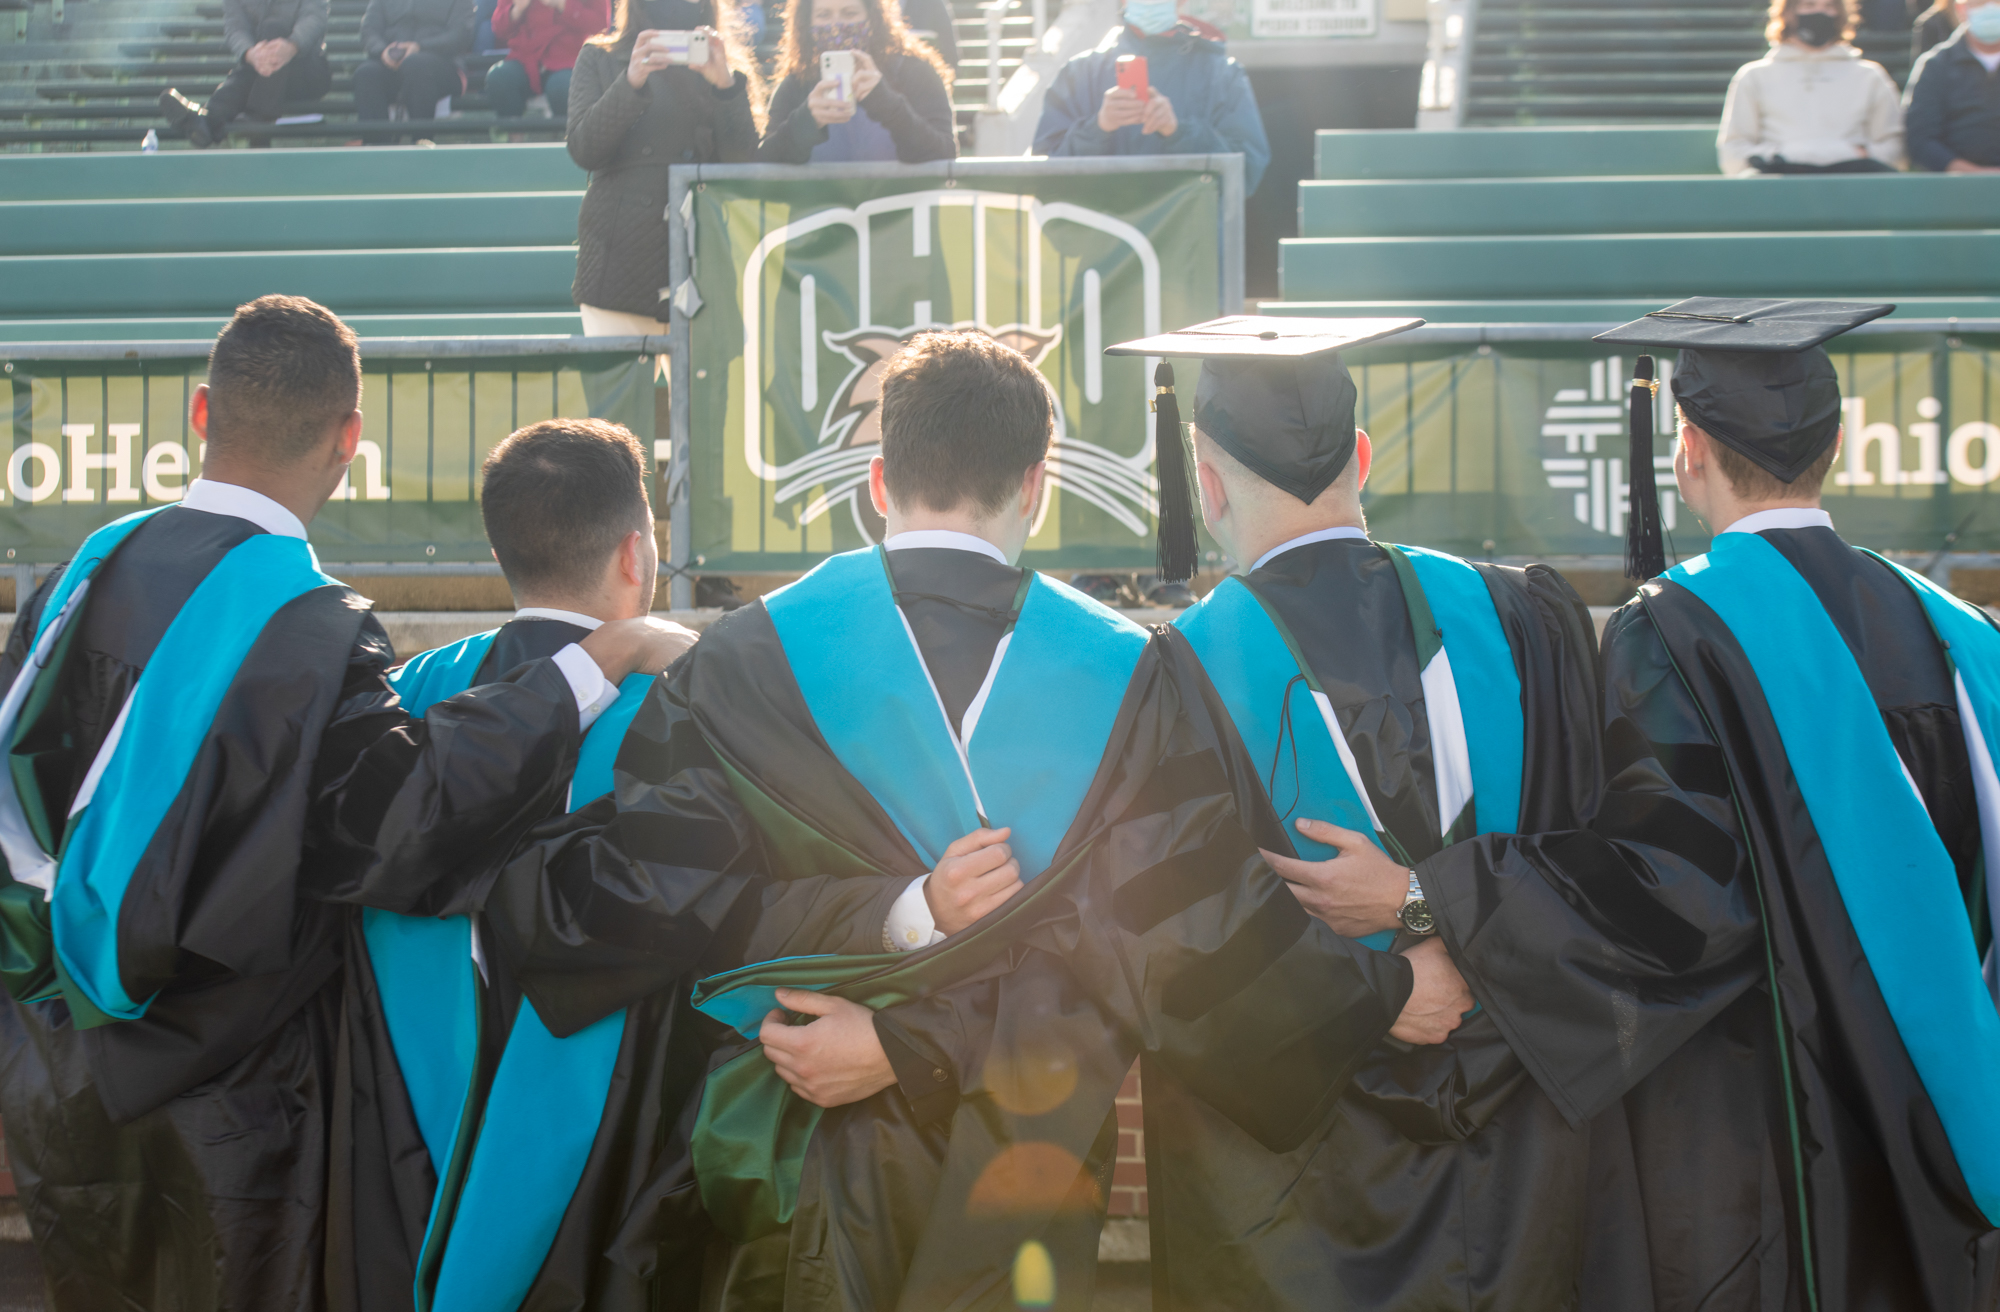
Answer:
(1520, 449)
(805, 282)
(94, 439)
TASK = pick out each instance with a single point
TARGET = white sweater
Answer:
(1812, 107)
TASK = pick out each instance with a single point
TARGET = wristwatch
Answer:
(1416, 913)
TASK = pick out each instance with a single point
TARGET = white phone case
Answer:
(838, 65)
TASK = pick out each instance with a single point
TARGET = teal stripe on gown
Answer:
(1895, 878)
(1252, 669)
(166, 723)
(1038, 743)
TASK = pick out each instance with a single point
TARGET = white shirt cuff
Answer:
(593, 692)
(910, 925)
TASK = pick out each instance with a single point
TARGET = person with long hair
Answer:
(1812, 104)
(898, 108)
(634, 110)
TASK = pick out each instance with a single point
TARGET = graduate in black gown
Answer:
(1419, 709)
(1825, 1137)
(527, 1209)
(1027, 835)
(206, 740)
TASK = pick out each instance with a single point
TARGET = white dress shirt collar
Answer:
(1317, 535)
(1782, 517)
(566, 616)
(943, 537)
(234, 499)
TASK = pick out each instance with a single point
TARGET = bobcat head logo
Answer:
(852, 427)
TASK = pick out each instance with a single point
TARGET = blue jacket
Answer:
(1952, 109)
(1209, 91)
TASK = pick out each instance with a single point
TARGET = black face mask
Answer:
(1818, 29)
(671, 15)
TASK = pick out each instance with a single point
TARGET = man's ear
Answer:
(1214, 496)
(1034, 486)
(350, 438)
(1364, 456)
(198, 412)
(632, 558)
(878, 490)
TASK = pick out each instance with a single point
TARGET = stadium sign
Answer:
(797, 286)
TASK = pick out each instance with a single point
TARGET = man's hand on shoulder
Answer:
(832, 1060)
(977, 873)
(1438, 1000)
(1357, 893)
(637, 646)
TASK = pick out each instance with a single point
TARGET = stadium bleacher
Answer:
(1595, 224)
(84, 74)
(404, 241)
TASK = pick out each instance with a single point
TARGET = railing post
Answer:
(996, 14)
(1441, 90)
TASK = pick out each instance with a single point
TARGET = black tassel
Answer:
(1645, 558)
(1178, 552)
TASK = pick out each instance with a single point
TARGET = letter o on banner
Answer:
(1958, 453)
(44, 487)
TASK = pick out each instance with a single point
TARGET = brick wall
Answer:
(1128, 1175)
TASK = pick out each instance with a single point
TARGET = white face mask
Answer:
(1985, 23)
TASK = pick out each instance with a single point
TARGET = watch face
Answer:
(1417, 917)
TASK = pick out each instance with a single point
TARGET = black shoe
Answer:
(716, 590)
(186, 118)
(1107, 588)
(1170, 594)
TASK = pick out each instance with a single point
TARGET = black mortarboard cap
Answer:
(1273, 393)
(1752, 376)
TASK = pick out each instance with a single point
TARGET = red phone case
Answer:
(1132, 74)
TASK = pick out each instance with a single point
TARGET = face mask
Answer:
(841, 36)
(673, 15)
(1152, 16)
(1985, 23)
(1818, 29)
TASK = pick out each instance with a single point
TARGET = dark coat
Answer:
(1209, 91)
(627, 139)
(441, 27)
(242, 19)
(910, 101)
(1952, 109)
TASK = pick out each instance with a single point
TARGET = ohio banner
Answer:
(794, 286)
(1518, 447)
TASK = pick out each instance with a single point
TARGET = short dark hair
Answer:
(558, 497)
(962, 416)
(1752, 482)
(283, 371)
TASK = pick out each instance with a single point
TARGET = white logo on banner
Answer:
(1598, 482)
(1122, 486)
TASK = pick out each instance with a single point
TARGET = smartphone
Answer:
(839, 66)
(685, 47)
(1132, 75)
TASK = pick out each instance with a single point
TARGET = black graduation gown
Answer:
(1444, 1177)
(1698, 1188)
(179, 1160)
(1175, 938)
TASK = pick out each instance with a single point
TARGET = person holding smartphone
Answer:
(668, 84)
(1197, 99)
(895, 104)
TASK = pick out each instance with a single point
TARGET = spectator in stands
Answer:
(1952, 109)
(633, 112)
(1813, 104)
(543, 38)
(898, 109)
(1199, 99)
(412, 47)
(280, 49)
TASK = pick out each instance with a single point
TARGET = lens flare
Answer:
(1034, 1276)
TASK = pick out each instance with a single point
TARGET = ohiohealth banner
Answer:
(802, 282)
(1518, 448)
